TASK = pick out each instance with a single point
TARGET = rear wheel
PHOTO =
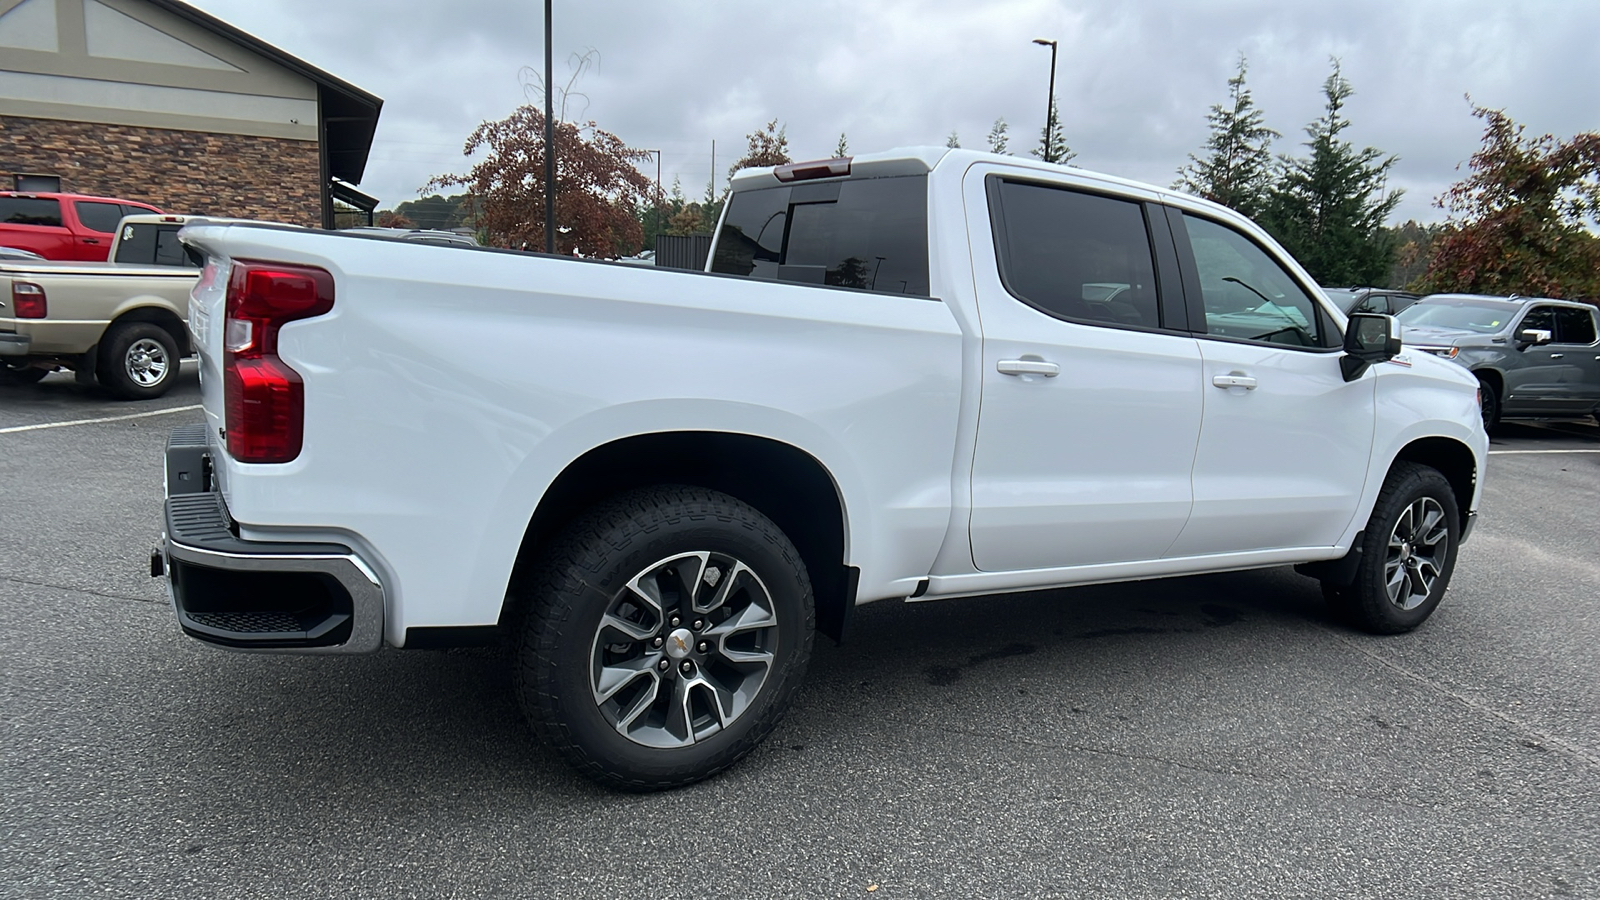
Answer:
(138, 361)
(1408, 554)
(663, 637)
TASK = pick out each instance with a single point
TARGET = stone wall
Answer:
(185, 172)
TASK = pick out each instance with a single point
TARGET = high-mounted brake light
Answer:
(805, 171)
(28, 300)
(263, 395)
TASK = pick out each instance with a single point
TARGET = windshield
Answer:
(1484, 317)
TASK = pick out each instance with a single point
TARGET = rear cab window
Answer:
(867, 233)
(154, 244)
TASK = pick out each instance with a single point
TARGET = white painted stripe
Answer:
(1508, 452)
(144, 415)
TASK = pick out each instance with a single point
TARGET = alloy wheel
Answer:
(683, 650)
(1418, 548)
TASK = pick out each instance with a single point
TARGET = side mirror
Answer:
(1370, 338)
(1531, 337)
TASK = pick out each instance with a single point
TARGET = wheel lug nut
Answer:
(665, 664)
(674, 621)
(687, 667)
(703, 647)
(657, 642)
(697, 624)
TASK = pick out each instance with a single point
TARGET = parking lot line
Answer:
(1586, 450)
(144, 415)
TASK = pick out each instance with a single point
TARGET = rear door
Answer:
(1575, 328)
(1284, 445)
(1090, 384)
(35, 223)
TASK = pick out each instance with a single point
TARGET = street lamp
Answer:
(658, 195)
(1050, 111)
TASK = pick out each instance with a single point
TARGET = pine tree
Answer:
(1328, 209)
(1052, 144)
(998, 138)
(953, 141)
(843, 149)
(1238, 170)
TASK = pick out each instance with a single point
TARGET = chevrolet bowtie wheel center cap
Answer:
(679, 643)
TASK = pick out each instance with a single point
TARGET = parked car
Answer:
(1366, 299)
(120, 325)
(657, 484)
(64, 226)
(1534, 357)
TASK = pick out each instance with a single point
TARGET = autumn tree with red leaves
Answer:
(598, 188)
(1522, 221)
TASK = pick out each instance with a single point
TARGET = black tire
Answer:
(1488, 403)
(10, 374)
(561, 648)
(138, 361)
(1411, 496)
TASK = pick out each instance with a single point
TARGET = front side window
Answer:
(1540, 318)
(1247, 295)
(1574, 326)
(1079, 256)
(870, 234)
(30, 211)
(101, 217)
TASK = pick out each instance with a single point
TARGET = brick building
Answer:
(154, 100)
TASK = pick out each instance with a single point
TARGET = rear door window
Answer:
(1078, 256)
(30, 211)
(1574, 326)
(101, 217)
(870, 234)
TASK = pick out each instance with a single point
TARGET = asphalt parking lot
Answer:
(1213, 736)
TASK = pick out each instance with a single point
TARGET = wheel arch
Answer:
(161, 317)
(1452, 459)
(784, 482)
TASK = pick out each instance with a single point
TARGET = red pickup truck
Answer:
(63, 226)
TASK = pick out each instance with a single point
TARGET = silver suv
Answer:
(1534, 357)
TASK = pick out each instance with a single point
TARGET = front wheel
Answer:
(1488, 403)
(662, 637)
(1408, 553)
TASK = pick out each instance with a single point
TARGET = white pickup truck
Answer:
(917, 374)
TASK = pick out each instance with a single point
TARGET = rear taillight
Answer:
(28, 300)
(265, 398)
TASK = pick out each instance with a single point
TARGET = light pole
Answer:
(1050, 111)
(658, 196)
(549, 143)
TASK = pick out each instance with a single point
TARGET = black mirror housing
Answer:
(1369, 338)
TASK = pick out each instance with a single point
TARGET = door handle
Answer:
(1028, 367)
(91, 240)
(1557, 355)
(1233, 381)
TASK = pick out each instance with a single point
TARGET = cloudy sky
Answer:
(1134, 80)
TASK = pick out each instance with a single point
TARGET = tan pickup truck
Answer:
(122, 325)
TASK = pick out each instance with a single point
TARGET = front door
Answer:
(1091, 404)
(1285, 442)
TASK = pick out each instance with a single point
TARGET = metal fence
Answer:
(688, 251)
